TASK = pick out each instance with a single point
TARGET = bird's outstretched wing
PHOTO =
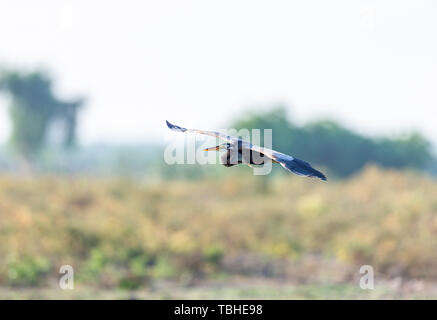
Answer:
(216, 134)
(290, 163)
(297, 166)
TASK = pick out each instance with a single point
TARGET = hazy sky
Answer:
(371, 64)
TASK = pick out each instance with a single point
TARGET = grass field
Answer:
(227, 238)
(235, 288)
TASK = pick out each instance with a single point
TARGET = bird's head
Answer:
(223, 146)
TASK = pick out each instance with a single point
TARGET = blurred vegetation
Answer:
(122, 234)
(34, 110)
(341, 150)
(189, 223)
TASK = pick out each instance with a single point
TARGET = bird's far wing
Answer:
(290, 163)
(216, 134)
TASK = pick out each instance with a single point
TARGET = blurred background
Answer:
(86, 87)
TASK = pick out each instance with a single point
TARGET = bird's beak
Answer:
(217, 148)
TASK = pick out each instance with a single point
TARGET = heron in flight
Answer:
(239, 151)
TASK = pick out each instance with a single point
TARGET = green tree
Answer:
(276, 119)
(329, 144)
(412, 150)
(341, 150)
(34, 109)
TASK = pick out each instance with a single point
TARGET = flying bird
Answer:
(239, 151)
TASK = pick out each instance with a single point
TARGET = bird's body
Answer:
(236, 154)
(241, 152)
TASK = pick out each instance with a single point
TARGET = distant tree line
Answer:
(35, 109)
(341, 150)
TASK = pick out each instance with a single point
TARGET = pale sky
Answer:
(370, 64)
